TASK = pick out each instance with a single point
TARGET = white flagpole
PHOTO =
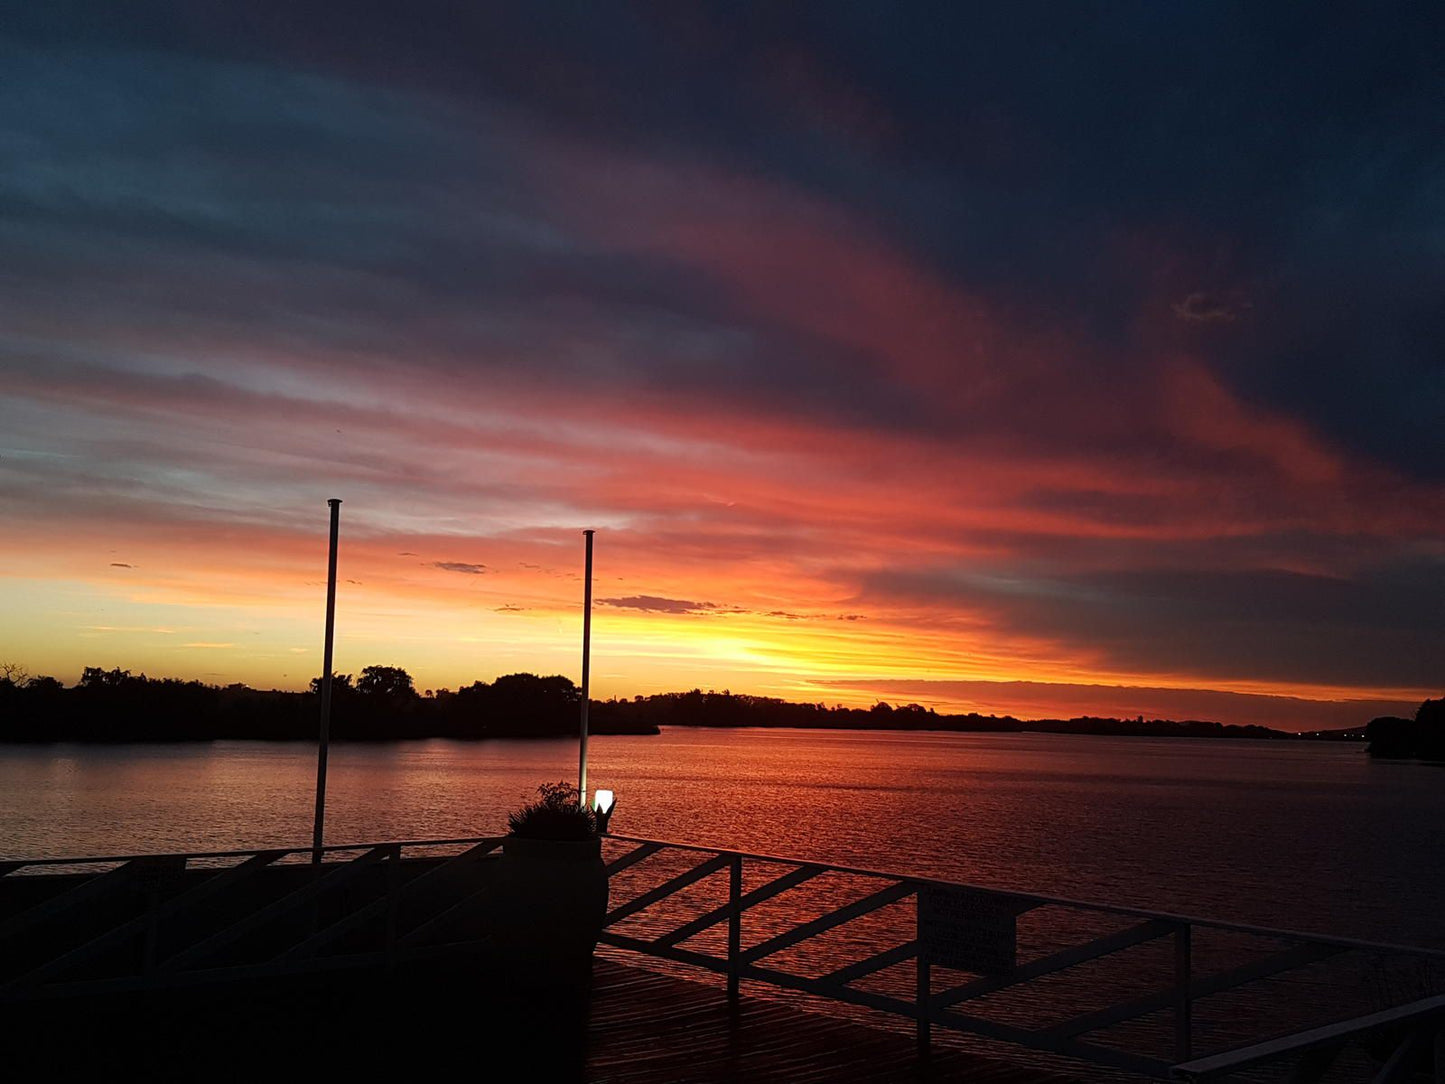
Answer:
(321, 751)
(586, 671)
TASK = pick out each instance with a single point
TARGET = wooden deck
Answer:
(645, 1027)
(638, 1027)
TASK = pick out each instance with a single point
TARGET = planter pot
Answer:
(551, 901)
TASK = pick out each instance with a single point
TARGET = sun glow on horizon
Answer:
(450, 627)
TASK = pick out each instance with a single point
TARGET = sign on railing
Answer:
(966, 929)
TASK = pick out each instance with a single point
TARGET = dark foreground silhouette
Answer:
(1420, 738)
(408, 1024)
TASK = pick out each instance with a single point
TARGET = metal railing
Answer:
(1150, 993)
(114, 923)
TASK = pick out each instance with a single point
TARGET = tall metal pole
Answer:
(316, 831)
(586, 670)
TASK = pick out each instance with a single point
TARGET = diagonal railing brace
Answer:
(667, 888)
(881, 898)
(776, 886)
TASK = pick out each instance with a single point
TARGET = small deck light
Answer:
(602, 805)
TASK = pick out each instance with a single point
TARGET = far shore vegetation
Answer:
(381, 703)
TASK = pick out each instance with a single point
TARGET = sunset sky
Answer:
(1038, 359)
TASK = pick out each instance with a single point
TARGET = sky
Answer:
(1033, 358)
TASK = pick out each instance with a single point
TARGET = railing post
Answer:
(735, 927)
(923, 988)
(393, 901)
(152, 875)
(151, 950)
(1183, 1024)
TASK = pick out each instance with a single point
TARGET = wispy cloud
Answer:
(130, 628)
(1202, 308)
(657, 605)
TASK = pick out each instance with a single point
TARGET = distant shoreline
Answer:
(7, 742)
(1064, 727)
(114, 706)
(725, 710)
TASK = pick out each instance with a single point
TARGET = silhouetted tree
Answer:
(1430, 724)
(391, 682)
(94, 677)
(340, 685)
(1391, 737)
(1421, 738)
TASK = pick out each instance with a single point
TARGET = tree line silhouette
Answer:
(382, 703)
(728, 709)
(379, 704)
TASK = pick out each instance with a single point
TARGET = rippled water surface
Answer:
(1311, 836)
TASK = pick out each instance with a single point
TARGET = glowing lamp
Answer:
(602, 805)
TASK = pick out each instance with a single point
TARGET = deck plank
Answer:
(646, 1027)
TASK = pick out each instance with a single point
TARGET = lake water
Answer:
(1310, 836)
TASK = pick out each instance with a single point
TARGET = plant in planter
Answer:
(556, 814)
(552, 891)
